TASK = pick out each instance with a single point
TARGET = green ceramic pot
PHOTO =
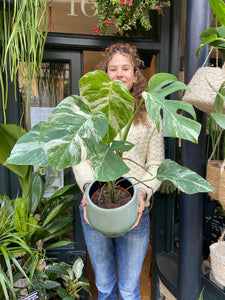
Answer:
(116, 221)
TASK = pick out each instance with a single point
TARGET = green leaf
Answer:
(35, 193)
(23, 220)
(39, 234)
(59, 244)
(63, 294)
(9, 134)
(78, 267)
(107, 164)
(64, 191)
(219, 118)
(28, 150)
(70, 124)
(174, 124)
(57, 268)
(184, 179)
(218, 8)
(214, 37)
(220, 99)
(111, 98)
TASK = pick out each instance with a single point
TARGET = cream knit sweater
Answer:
(147, 152)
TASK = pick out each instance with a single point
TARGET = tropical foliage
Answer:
(23, 33)
(84, 127)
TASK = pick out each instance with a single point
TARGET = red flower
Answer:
(108, 22)
(127, 3)
(96, 29)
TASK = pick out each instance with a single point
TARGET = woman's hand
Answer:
(141, 206)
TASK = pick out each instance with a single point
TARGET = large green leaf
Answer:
(218, 7)
(24, 221)
(28, 150)
(107, 164)
(35, 193)
(9, 134)
(70, 124)
(174, 124)
(111, 98)
(183, 178)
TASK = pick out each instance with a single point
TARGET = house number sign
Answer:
(83, 8)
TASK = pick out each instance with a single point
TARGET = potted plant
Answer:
(127, 15)
(23, 26)
(81, 128)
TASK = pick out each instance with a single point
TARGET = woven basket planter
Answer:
(201, 95)
(217, 254)
(222, 186)
(213, 176)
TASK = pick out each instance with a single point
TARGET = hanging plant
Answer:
(127, 14)
(23, 34)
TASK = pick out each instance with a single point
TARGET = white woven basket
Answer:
(202, 96)
(217, 254)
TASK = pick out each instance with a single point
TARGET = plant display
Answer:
(85, 127)
(34, 215)
(72, 282)
(30, 224)
(126, 15)
(23, 33)
(12, 249)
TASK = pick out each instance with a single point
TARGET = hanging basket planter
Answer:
(217, 254)
(213, 176)
(126, 15)
(201, 95)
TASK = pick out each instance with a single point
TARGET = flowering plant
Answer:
(127, 14)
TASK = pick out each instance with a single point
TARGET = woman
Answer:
(124, 256)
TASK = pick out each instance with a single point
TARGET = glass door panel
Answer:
(55, 83)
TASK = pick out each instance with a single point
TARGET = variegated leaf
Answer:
(28, 150)
(111, 98)
(183, 178)
(174, 124)
(107, 164)
(70, 125)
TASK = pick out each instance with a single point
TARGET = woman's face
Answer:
(120, 68)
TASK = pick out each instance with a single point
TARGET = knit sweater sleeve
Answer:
(154, 156)
(83, 172)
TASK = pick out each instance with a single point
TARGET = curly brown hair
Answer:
(138, 64)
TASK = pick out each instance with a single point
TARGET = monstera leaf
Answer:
(70, 126)
(174, 124)
(183, 178)
(111, 98)
(28, 150)
(106, 162)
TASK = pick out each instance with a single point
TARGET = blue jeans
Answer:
(124, 254)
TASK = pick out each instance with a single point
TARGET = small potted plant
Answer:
(77, 130)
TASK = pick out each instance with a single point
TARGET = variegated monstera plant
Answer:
(84, 127)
